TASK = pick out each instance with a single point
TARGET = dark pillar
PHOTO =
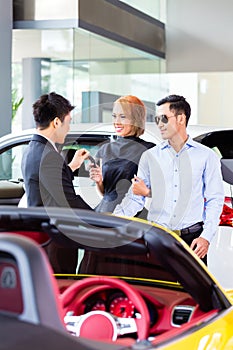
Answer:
(31, 89)
(5, 65)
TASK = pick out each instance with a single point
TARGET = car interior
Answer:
(137, 287)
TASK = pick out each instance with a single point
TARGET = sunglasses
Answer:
(163, 118)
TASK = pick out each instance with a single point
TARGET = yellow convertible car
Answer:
(136, 286)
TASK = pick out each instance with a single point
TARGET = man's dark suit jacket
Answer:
(47, 177)
(48, 182)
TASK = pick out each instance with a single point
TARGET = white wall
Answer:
(199, 40)
(199, 35)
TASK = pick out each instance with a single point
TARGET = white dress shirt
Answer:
(49, 140)
(186, 187)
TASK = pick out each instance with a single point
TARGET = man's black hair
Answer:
(48, 107)
(178, 104)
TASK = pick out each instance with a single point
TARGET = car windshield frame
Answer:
(90, 231)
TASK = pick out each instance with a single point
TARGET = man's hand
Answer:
(139, 187)
(200, 246)
(78, 158)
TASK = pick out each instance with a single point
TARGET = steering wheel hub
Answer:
(93, 325)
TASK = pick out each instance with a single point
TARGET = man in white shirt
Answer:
(183, 179)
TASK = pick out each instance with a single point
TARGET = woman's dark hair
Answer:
(48, 107)
(177, 104)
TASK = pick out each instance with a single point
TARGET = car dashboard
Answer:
(168, 308)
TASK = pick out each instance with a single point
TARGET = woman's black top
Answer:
(120, 160)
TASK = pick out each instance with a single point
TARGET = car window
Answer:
(10, 162)
(83, 185)
(216, 150)
(220, 141)
(11, 157)
(68, 152)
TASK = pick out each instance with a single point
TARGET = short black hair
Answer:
(48, 107)
(178, 104)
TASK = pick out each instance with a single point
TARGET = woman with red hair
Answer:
(120, 158)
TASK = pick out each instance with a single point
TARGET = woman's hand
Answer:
(78, 158)
(139, 187)
(95, 173)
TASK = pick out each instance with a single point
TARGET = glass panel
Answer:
(104, 66)
(10, 163)
(74, 61)
(16, 95)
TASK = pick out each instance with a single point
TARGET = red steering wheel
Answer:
(101, 325)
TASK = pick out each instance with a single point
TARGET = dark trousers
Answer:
(63, 260)
(189, 237)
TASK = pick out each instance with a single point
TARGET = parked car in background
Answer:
(221, 141)
(12, 147)
(137, 286)
(220, 252)
(91, 136)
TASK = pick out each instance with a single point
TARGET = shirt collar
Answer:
(50, 141)
(189, 143)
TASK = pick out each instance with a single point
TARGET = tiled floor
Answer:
(220, 257)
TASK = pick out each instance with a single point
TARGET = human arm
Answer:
(139, 187)
(214, 196)
(131, 203)
(78, 158)
(56, 183)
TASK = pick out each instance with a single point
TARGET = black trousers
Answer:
(189, 237)
(63, 260)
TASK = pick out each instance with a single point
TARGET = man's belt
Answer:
(191, 229)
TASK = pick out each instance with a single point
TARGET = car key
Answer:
(92, 160)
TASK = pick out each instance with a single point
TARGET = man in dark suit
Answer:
(47, 176)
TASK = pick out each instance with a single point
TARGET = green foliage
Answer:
(16, 102)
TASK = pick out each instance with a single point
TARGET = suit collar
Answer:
(44, 140)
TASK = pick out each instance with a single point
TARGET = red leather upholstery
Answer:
(11, 299)
(35, 296)
(39, 237)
